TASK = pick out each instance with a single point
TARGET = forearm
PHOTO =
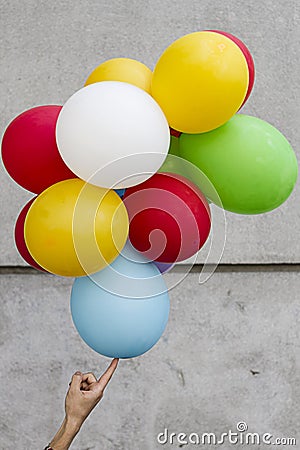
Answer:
(65, 435)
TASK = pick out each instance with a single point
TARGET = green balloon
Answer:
(174, 146)
(172, 163)
(250, 163)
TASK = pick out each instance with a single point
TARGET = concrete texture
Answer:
(49, 48)
(230, 353)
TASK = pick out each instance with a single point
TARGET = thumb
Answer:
(76, 381)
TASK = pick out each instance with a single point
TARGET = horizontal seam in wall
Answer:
(184, 268)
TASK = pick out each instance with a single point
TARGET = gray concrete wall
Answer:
(198, 377)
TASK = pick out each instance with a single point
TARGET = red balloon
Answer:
(169, 217)
(248, 58)
(20, 240)
(175, 133)
(29, 149)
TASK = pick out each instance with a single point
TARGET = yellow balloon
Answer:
(200, 81)
(74, 228)
(122, 69)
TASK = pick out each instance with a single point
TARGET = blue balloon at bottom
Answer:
(121, 311)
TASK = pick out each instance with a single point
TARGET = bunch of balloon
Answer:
(112, 208)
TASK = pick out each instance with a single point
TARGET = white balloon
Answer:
(112, 134)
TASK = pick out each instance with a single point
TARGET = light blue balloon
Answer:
(113, 310)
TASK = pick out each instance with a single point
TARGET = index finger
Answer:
(106, 376)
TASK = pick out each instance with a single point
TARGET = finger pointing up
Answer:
(106, 376)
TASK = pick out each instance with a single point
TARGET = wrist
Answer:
(65, 435)
(72, 424)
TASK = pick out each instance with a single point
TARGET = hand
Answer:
(85, 392)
